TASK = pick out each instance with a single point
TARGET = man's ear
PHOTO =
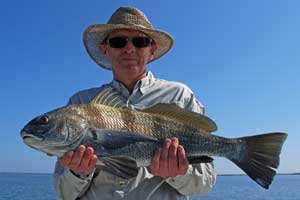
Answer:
(103, 49)
(152, 50)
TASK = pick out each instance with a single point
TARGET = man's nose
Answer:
(129, 48)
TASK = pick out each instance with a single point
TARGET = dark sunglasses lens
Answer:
(120, 42)
(141, 42)
(117, 42)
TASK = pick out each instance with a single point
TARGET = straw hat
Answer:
(124, 18)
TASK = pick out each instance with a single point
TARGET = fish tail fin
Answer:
(260, 157)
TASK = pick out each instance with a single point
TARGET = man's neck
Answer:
(130, 82)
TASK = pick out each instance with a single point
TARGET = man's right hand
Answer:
(83, 160)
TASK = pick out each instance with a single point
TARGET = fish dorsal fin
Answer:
(109, 96)
(194, 119)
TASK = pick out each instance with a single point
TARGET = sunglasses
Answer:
(121, 41)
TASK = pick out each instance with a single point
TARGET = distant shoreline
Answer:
(246, 175)
(39, 173)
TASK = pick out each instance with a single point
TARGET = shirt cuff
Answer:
(80, 176)
(180, 180)
(198, 180)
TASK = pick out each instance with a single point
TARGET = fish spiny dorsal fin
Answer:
(194, 119)
(109, 96)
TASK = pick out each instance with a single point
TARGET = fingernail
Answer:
(81, 149)
(180, 149)
(70, 153)
(90, 151)
(175, 140)
(168, 141)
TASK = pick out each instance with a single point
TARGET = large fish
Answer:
(119, 134)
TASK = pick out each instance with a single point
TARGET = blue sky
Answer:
(241, 58)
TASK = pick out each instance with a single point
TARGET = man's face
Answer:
(129, 61)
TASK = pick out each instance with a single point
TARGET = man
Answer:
(125, 45)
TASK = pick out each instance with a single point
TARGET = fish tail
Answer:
(260, 156)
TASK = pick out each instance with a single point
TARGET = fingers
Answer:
(159, 165)
(183, 163)
(164, 158)
(170, 160)
(66, 159)
(155, 162)
(88, 161)
(82, 160)
(173, 160)
(78, 156)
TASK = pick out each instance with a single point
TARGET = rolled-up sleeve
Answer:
(198, 180)
(67, 185)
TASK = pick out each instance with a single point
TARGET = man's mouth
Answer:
(129, 59)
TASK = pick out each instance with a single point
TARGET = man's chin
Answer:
(129, 62)
(131, 66)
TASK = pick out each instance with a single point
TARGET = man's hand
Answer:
(170, 160)
(82, 160)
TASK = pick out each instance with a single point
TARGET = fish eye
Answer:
(44, 119)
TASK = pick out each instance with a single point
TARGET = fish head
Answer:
(55, 132)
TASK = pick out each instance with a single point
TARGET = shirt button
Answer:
(172, 180)
(122, 182)
(119, 193)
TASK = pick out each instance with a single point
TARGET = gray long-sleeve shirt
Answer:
(103, 185)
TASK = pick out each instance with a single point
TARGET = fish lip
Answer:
(26, 135)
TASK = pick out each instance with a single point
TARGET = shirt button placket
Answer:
(119, 194)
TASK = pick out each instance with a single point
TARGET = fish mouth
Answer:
(28, 136)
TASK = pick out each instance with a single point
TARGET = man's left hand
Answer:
(170, 160)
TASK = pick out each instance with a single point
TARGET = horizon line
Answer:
(221, 174)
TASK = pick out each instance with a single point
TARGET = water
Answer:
(18, 186)
(284, 187)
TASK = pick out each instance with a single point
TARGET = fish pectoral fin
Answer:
(194, 119)
(117, 139)
(200, 159)
(121, 166)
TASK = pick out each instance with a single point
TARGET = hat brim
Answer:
(95, 34)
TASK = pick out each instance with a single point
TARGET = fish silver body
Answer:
(119, 134)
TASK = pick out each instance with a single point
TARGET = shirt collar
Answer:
(142, 85)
